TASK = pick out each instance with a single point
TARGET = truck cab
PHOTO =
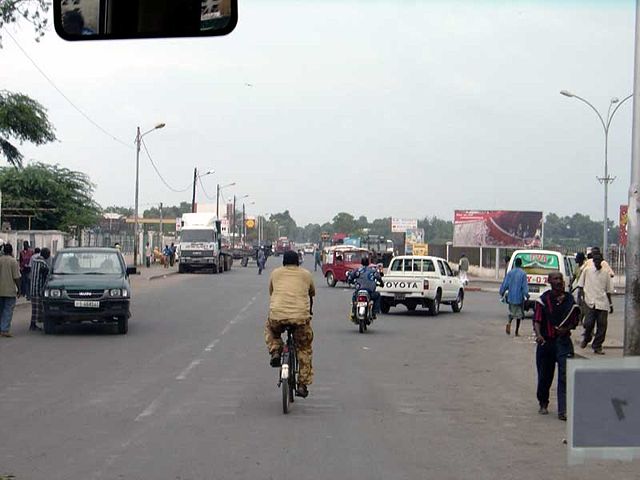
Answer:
(340, 260)
(201, 244)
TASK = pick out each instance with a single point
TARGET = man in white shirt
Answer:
(595, 286)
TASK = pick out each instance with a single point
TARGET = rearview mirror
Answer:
(131, 270)
(119, 19)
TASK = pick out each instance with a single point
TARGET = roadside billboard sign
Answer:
(497, 228)
(401, 225)
(624, 209)
(413, 236)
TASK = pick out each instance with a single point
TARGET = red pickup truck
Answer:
(339, 260)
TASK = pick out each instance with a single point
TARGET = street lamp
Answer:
(136, 227)
(218, 188)
(196, 176)
(606, 179)
(233, 238)
(244, 226)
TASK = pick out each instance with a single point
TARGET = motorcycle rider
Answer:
(366, 278)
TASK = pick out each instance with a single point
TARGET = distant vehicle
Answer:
(88, 285)
(200, 245)
(283, 244)
(309, 248)
(538, 264)
(424, 281)
(339, 261)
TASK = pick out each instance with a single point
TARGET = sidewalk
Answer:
(154, 272)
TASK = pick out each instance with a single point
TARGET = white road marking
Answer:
(151, 408)
(190, 367)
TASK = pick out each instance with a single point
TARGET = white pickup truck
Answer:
(427, 281)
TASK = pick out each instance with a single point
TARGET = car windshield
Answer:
(197, 236)
(87, 263)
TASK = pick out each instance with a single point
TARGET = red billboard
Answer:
(624, 209)
(497, 228)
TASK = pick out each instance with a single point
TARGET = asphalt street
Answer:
(188, 394)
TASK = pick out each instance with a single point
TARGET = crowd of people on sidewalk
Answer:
(24, 276)
(557, 312)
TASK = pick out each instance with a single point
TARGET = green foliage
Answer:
(168, 212)
(25, 120)
(58, 198)
(284, 224)
(33, 11)
(344, 222)
(576, 232)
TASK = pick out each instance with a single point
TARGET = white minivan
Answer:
(538, 264)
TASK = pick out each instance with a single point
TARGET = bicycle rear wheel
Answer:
(285, 396)
(292, 375)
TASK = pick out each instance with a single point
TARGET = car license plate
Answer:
(86, 304)
(400, 296)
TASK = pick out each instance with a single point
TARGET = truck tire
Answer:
(181, 268)
(434, 306)
(385, 306)
(331, 279)
(456, 305)
(48, 325)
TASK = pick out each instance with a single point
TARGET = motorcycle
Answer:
(363, 307)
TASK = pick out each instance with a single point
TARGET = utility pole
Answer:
(218, 201)
(244, 228)
(135, 215)
(193, 198)
(233, 238)
(632, 297)
(161, 237)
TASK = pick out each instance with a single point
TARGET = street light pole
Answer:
(606, 179)
(136, 226)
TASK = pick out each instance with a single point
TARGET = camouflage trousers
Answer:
(302, 335)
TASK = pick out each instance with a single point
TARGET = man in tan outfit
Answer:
(292, 291)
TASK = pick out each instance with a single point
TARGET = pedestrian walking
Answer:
(581, 260)
(595, 287)
(166, 255)
(261, 260)
(516, 287)
(24, 257)
(556, 314)
(463, 269)
(9, 289)
(39, 274)
(318, 259)
(147, 254)
(172, 254)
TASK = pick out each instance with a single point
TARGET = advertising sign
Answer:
(413, 236)
(401, 225)
(497, 228)
(623, 224)
(420, 249)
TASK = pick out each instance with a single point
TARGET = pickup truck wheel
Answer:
(49, 325)
(434, 306)
(331, 279)
(456, 305)
(385, 307)
(123, 325)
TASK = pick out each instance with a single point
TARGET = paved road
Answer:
(188, 394)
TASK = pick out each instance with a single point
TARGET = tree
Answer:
(24, 119)
(124, 211)
(34, 11)
(344, 222)
(168, 212)
(55, 197)
(284, 224)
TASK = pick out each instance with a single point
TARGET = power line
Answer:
(95, 124)
(158, 172)
(204, 190)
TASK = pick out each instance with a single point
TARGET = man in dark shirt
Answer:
(556, 314)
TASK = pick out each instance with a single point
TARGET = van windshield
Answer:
(539, 263)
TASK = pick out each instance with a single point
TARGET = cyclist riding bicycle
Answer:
(366, 278)
(292, 290)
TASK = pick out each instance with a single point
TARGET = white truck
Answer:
(427, 281)
(200, 245)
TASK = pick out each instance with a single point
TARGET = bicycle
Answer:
(288, 370)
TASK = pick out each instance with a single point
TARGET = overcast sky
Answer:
(382, 108)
